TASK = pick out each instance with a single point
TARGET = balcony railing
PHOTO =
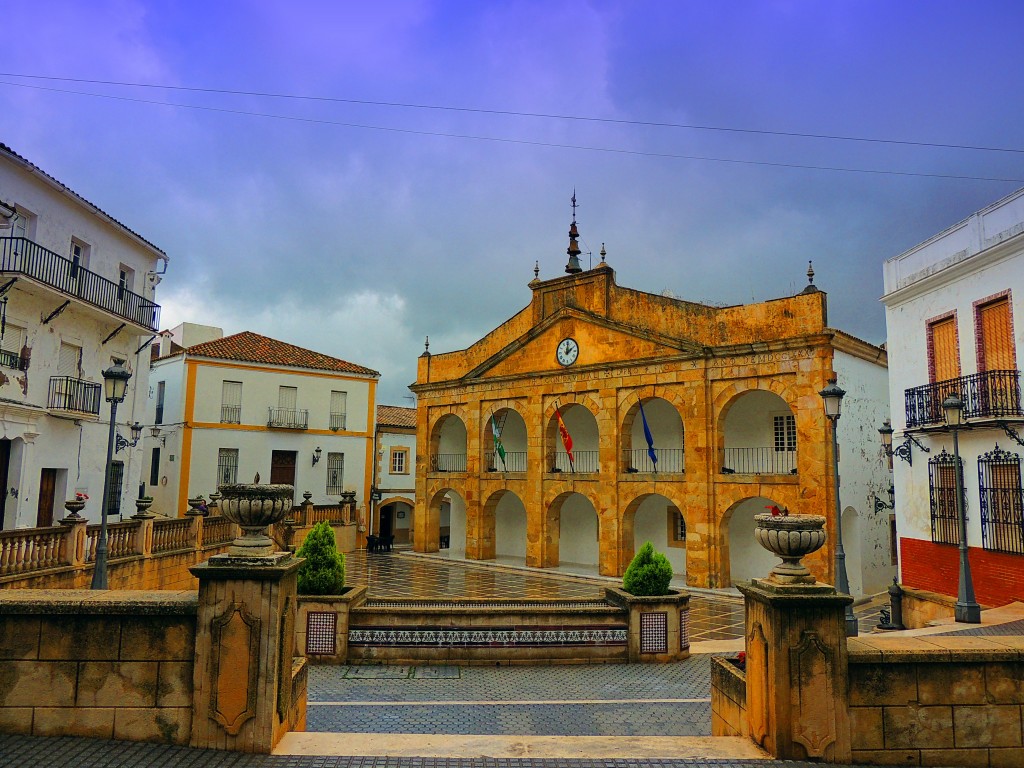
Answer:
(288, 418)
(13, 360)
(22, 256)
(670, 460)
(231, 414)
(448, 462)
(582, 461)
(992, 394)
(515, 461)
(69, 394)
(759, 461)
(337, 421)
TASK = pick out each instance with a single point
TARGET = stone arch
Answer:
(748, 435)
(514, 437)
(504, 514)
(668, 428)
(388, 523)
(448, 438)
(742, 557)
(577, 513)
(448, 507)
(633, 535)
(586, 434)
(727, 397)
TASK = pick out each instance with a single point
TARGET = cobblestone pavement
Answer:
(35, 752)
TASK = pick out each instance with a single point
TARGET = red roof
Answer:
(250, 347)
(396, 416)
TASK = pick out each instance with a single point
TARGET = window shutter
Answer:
(996, 342)
(944, 350)
(67, 362)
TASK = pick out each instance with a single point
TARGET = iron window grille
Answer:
(337, 422)
(335, 473)
(227, 466)
(231, 414)
(1002, 501)
(678, 525)
(116, 483)
(942, 497)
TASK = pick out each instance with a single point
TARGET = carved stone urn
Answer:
(790, 538)
(254, 508)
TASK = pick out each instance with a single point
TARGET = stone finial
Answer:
(811, 287)
(573, 267)
(536, 270)
(604, 253)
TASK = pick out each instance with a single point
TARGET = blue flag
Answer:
(650, 439)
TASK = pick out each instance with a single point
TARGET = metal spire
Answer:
(573, 267)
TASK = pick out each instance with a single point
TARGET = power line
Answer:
(520, 142)
(513, 113)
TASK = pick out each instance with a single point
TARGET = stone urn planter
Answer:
(74, 506)
(254, 508)
(790, 538)
(142, 506)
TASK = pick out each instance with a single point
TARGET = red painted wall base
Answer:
(998, 577)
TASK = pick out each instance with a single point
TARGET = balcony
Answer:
(988, 395)
(669, 460)
(288, 418)
(230, 414)
(759, 461)
(514, 461)
(13, 360)
(19, 255)
(74, 395)
(448, 462)
(337, 422)
(582, 461)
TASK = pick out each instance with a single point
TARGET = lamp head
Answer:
(833, 397)
(953, 411)
(886, 432)
(136, 429)
(316, 455)
(115, 383)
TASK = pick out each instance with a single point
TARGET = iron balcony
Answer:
(988, 395)
(74, 395)
(21, 256)
(288, 418)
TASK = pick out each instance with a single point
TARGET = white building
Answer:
(78, 294)
(950, 304)
(395, 474)
(226, 409)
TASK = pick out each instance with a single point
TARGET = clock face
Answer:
(567, 352)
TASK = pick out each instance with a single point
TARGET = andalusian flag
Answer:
(649, 437)
(498, 447)
(566, 437)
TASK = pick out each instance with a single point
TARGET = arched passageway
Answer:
(509, 515)
(448, 445)
(760, 435)
(657, 520)
(664, 454)
(582, 428)
(578, 531)
(511, 431)
(748, 559)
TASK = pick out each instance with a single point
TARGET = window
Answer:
(161, 391)
(943, 349)
(116, 483)
(69, 360)
(24, 224)
(942, 495)
(154, 468)
(287, 398)
(125, 282)
(785, 432)
(996, 349)
(399, 461)
(1002, 502)
(231, 402)
(227, 466)
(11, 347)
(339, 405)
(335, 473)
(678, 525)
(79, 256)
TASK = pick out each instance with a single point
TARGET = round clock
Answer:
(567, 352)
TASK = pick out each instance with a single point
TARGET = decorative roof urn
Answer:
(790, 537)
(254, 508)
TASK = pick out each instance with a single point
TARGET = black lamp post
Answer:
(833, 397)
(966, 609)
(115, 384)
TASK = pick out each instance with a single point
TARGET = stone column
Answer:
(245, 649)
(796, 670)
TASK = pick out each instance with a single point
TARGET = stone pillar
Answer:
(245, 643)
(796, 669)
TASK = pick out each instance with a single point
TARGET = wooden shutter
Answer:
(996, 341)
(945, 354)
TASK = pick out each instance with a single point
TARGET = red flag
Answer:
(564, 432)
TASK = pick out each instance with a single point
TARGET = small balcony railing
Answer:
(22, 256)
(70, 394)
(448, 462)
(288, 418)
(582, 461)
(231, 414)
(992, 395)
(759, 461)
(515, 461)
(670, 460)
(13, 360)
(337, 422)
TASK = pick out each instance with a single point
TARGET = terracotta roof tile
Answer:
(251, 347)
(396, 416)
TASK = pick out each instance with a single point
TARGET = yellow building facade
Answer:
(730, 399)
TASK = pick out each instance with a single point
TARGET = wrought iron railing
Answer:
(514, 461)
(21, 255)
(288, 418)
(231, 414)
(669, 460)
(759, 461)
(582, 461)
(13, 360)
(448, 462)
(942, 497)
(70, 394)
(992, 394)
(337, 421)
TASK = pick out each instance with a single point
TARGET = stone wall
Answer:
(921, 607)
(111, 665)
(728, 699)
(937, 701)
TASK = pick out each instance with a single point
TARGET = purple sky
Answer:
(358, 242)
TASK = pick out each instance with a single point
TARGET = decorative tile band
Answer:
(488, 637)
(571, 605)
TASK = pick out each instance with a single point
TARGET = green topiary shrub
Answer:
(648, 574)
(323, 572)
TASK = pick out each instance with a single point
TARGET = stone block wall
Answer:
(107, 664)
(921, 607)
(728, 699)
(937, 701)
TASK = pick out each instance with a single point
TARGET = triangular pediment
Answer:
(601, 342)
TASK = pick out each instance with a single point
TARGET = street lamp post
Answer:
(966, 609)
(115, 384)
(833, 397)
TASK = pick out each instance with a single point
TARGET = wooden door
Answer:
(282, 467)
(5, 461)
(47, 489)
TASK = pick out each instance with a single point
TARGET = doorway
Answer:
(387, 514)
(5, 464)
(47, 493)
(282, 467)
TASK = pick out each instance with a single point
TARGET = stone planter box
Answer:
(728, 698)
(322, 623)
(658, 626)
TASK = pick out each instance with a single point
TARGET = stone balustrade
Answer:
(33, 549)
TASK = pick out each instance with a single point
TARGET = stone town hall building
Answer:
(731, 399)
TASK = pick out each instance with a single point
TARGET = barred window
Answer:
(231, 402)
(335, 473)
(1002, 502)
(942, 494)
(227, 466)
(339, 408)
(678, 525)
(785, 432)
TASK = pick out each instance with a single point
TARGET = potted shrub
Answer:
(323, 571)
(649, 574)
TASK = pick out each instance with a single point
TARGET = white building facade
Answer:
(228, 409)
(950, 308)
(395, 474)
(77, 293)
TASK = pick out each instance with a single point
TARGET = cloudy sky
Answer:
(352, 177)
